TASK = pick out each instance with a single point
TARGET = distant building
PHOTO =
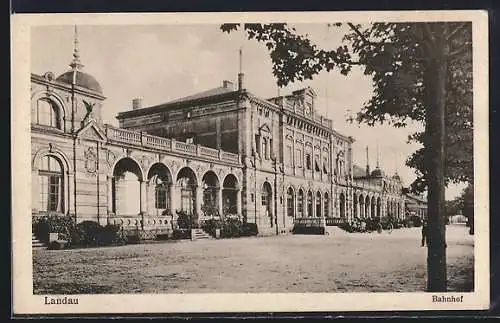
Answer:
(275, 162)
(415, 206)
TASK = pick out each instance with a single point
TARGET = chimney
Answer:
(228, 85)
(136, 104)
(241, 78)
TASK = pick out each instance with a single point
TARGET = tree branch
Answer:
(456, 31)
(356, 30)
(458, 51)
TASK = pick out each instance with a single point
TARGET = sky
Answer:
(159, 63)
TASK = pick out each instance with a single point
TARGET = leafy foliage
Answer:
(64, 225)
(396, 56)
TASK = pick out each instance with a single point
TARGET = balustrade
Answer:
(150, 141)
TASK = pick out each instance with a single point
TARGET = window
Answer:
(46, 114)
(257, 144)
(51, 185)
(298, 158)
(309, 204)
(300, 203)
(289, 203)
(316, 164)
(264, 148)
(289, 157)
(161, 197)
(308, 161)
(326, 205)
(325, 165)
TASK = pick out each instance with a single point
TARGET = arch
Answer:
(342, 205)
(159, 186)
(378, 207)
(318, 204)
(361, 206)
(54, 152)
(211, 192)
(230, 195)
(126, 187)
(187, 182)
(290, 202)
(266, 200)
(309, 203)
(373, 207)
(355, 204)
(367, 206)
(300, 203)
(51, 181)
(326, 205)
(52, 97)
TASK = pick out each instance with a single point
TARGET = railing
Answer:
(334, 221)
(160, 143)
(157, 142)
(229, 157)
(134, 221)
(309, 222)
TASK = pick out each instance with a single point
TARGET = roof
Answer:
(204, 94)
(82, 79)
(358, 171)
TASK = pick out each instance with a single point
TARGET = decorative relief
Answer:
(91, 160)
(144, 161)
(110, 158)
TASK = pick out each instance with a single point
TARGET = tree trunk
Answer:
(435, 86)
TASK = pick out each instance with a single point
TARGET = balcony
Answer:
(168, 145)
(309, 222)
(334, 221)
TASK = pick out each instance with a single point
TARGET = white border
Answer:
(24, 302)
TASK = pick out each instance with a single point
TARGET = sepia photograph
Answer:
(226, 162)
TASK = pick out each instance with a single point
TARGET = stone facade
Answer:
(275, 162)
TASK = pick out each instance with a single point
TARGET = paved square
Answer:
(343, 262)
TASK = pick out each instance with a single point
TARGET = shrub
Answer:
(415, 219)
(64, 225)
(209, 226)
(183, 220)
(57, 245)
(181, 234)
(231, 227)
(91, 233)
(249, 229)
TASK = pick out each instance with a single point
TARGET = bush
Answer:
(91, 233)
(64, 225)
(415, 219)
(231, 227)
(210, 225)
(183, 220)
(249, 229)
(57, 245)
(181, 234)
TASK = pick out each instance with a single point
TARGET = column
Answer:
(110, 194)
(198, 200)
(220, 202)
(175, 198)
(35, 191)
(142, 205)
(358, 214)
(238, 202)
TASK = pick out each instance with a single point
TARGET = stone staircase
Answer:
(36, 244)
(200, 234)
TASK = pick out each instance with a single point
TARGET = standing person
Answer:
(424, 233)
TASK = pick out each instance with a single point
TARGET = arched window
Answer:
(47, 114)
(300, 203)
(309, 204)
(289, 203)
(326, 205)
(161, 196)
(51, 185)
(318, 204)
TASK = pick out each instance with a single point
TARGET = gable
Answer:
(92, 132)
